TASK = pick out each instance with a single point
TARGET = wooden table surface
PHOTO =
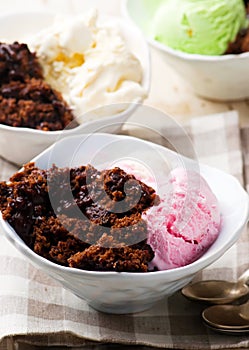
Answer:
(168, 91)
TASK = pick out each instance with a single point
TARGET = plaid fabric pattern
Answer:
(36, 310)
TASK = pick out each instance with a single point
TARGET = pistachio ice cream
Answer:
(204, 27)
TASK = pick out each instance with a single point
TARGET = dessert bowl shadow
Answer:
(218, 78)
(19, 144)
(127, 292)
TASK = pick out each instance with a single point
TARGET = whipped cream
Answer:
(89, 63)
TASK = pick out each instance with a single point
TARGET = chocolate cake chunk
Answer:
(241, 44)
(17, 63)
(25, 200)
(69, 216)
(54, 242)
(118, 259)
(33, 104)
(26, 100)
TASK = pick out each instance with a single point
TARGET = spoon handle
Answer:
(244, 278)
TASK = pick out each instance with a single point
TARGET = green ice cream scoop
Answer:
(198, 26)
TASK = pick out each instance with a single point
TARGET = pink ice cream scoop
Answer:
(185, 223)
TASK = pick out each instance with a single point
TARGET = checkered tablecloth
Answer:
(35, 309)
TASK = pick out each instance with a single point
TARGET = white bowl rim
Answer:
(178, 53)
(132, 107)
(190, 269)
(146, 84)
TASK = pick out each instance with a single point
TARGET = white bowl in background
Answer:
(19, 145)
(220, 78)
(125, 292)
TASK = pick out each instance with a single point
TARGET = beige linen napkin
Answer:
(36, 310)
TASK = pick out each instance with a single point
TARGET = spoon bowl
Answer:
(229, 317)
(229, 331)
(218, 291)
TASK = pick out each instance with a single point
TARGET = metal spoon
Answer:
(228, 317)
(218, 291)
(231, 331)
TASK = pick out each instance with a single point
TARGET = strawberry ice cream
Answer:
(185, 223)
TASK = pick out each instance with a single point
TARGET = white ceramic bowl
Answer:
(19, 145)
(220, 78)
(115, 292)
